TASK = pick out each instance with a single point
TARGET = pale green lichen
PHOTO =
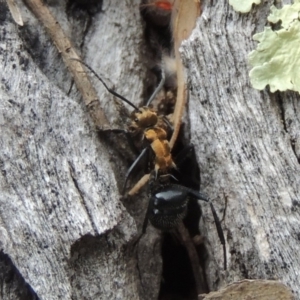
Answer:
(276, 61)
(243, 6)
(287, 14)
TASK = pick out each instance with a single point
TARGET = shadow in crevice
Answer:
(87, 256)
(13, 285)
(178, 280)
(97, 262)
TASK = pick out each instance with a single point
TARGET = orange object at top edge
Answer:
(165, 5)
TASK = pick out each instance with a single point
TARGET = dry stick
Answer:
(180, 101)
(15, 12)
(193, 255)
(64, 46)
(184, 16)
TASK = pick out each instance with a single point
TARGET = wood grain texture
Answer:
(71, 60)
(245, 141)
(62, 223)
(64, 230)
(252, 290)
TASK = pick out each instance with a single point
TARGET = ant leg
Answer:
(194, 259)
(203, 197)
(139, 184)
(159, 87)
(145, 224)
(220, 233)
(168, 123)
(132, 167)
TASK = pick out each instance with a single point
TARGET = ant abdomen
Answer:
(167, 207)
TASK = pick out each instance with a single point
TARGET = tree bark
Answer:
(63, 227)
(247, 145)
(64, 232)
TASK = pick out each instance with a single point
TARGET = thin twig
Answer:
(67, 51)
(193, 255)
(184, 16)
(15, 12)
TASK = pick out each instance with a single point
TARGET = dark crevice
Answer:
(81, 194)
(86, 8)
(282, 114)
(80, 14)
(294, 150)
(12, 283)
(178, 281)
(48, 61)
(280, 101)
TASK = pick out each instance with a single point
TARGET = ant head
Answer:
(145, 117)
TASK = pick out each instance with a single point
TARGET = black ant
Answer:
(167, 200)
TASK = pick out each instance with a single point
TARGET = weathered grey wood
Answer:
(245, 147)
(115, 48)
(62, 222)
(252, 289)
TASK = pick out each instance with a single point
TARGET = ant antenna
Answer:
(105, 85)
(159, 87)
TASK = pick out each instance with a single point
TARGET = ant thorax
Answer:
(146, 124)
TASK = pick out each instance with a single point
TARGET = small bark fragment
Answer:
(252, 290)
